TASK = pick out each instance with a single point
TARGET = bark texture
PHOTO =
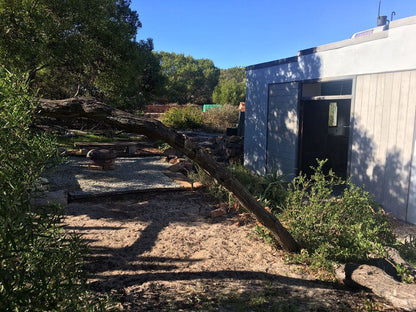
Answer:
(90, 108)
(400, 295)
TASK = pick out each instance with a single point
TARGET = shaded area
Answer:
(381, 172)
(130, 174)
(160, 252)
(272, 112)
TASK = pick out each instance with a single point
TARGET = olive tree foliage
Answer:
(231, 88)
(187, 80)
(78, 47)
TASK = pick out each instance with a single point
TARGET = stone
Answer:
(176, 167)
(218, 212)
(181, 166)
(173, 160)
(207, 144)
(43, 180)
(171, 152)
(234, 139)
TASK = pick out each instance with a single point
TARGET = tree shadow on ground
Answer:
(151, 214)
(142, 281)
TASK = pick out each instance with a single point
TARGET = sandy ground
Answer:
(161, 252)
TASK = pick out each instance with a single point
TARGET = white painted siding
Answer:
(383, 130)
(411, 208)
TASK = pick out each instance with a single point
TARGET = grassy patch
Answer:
(87, 137)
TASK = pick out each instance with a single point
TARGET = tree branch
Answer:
(90, 108)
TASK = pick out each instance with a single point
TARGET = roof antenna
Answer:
(381, 20)
(379, 7)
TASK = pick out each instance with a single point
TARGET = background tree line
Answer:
(78, 47)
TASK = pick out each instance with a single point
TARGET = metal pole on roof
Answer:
(379, 7)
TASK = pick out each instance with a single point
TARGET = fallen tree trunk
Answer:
(90, 108)
(400, 295)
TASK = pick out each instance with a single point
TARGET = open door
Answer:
(325, 135)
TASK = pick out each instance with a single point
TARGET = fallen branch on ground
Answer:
(399, 294)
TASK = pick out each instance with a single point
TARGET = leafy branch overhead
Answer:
(187, 80)
(78, 47)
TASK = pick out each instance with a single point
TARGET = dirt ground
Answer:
(162, 252)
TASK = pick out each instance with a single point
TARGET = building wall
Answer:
(282, 128)
(383, 51)
(411, 208)
(383, 66)
(383, 121)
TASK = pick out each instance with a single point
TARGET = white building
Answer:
(352, 102)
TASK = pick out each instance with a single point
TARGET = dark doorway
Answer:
(325, 131)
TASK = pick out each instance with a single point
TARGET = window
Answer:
(333, 114)
(340, 87)
(327, 88)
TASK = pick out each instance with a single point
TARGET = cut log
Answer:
(93, 109)
(400, 295)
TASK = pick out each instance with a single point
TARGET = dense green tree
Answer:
(231, 88)
(74, 47)
(187, 80)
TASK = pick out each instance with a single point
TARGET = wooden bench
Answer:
(127, 148)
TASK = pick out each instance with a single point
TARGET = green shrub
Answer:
(407, 249)
(220, 118)
(269, 189)
(186, 117)
(349, 226)
(41, 266)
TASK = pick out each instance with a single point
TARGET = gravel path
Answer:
(130, 174)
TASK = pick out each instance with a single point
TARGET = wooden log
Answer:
(93, 109)
(400, 295)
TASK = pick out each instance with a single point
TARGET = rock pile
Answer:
(225, 149)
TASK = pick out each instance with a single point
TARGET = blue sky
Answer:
(246, 32)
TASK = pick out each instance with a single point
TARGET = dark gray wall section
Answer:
(282, 134)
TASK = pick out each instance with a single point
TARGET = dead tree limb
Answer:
(400, 295)
(90, 108)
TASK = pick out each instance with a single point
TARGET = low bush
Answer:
(334, 220)
(269, 189)
(407, 249)
(186, 117)
(218, 119)
(41, 265)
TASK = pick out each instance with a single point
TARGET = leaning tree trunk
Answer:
(90, 108)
